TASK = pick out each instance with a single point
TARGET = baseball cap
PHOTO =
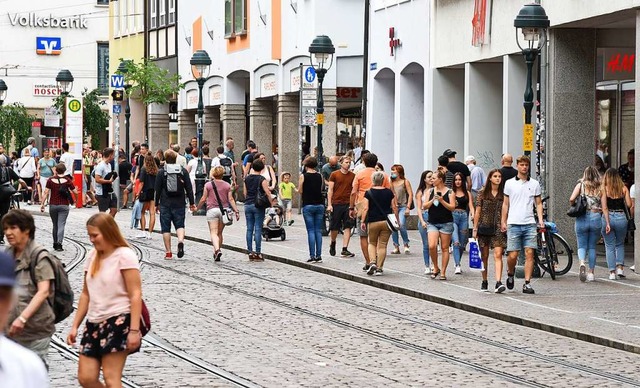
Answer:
(469, 158)
(7, 270)
(449, 153)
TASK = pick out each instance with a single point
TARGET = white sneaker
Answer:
(427, 271)
(148, 235)
(620, 272)
(141, 235)
(612, 276)
(591, 277)
(458, 270)
(633, 268)
(406, 249)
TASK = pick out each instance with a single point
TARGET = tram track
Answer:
(400, 343)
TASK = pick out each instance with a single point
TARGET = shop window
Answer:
(235, 18)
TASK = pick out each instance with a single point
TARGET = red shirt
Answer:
(55, 198)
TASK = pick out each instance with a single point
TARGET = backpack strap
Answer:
(32, 268)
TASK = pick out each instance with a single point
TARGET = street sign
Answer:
(117, 81)
(527, 137)
(310, 74)
(117, 109)
(308, 95)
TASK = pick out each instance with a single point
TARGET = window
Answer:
(235, 17)
(163, 13)
(102, 2)
(103, 68)
(153, 13)
(116, 19)
(172, 11)
(139, 15)
(131, 21)
(124, 28)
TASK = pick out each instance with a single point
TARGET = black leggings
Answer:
(27, 194)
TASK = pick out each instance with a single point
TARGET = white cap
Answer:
(469, 158)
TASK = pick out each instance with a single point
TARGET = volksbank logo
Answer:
(33, 20)
(48, 46)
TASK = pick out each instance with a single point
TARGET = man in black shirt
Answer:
(443, 161)
(124, 171)
(507, 171)
(455, 166)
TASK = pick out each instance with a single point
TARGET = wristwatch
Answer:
(22, 319)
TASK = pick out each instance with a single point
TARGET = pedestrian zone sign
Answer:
(117, 109)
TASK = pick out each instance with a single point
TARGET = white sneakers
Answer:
(612, 276)
(458, 270)
(406, 249)
(591, 277)
(427, 271)
(633, 268)
(620, 272)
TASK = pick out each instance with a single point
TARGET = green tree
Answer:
(150, 84)
(94, 118)
(15, 125)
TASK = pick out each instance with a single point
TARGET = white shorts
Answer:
(214, 214)
(43, 182)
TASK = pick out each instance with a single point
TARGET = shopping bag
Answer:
(475, 260)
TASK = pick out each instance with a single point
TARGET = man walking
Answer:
(173, 187)
(455, 166)
(478, 177)
(329, 168)
(507, 170)
(340, 185)
(520, 193)
(224, 161)
(67, 158)
(104, 176)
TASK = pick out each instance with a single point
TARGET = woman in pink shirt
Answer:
(111, 300)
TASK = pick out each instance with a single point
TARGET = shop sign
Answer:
(46, 90)
(51, 117)
(48, 46)
(192, 99)
(294, 79)
(215, 95)
(268, 86)
(619, 64)
(394, 43)
(34, 20)
(349, 93)
(481, 30)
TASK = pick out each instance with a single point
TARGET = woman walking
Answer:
(486, 228)
(111, 300)
(380, 202)
(464, 207)
(217, 194)
(614, 199)
(310, 187)
(26, 169)
(146, 196)
(255, 183)
(45, 171)
(426, 183)
(588, 225)
(404, 197)
(57, 194)
(441, 202)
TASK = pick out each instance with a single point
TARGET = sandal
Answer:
(435, 274)
(443, 277)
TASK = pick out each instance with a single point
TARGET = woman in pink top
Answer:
(214, 214)
(111, 300)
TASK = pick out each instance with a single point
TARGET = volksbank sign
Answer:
(33, 20)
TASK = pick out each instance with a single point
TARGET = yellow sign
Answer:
(75, 105)
(320, 118)
(527, 137)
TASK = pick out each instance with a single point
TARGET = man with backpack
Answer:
(225, 162)
(173, 187)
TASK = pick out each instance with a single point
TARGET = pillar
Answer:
(409, 131)
(330, 128)
(187, 127)
(483, 114)
(380, 134)
(233, 125)
(571, 112)
(514, 74)
(289, 137)
(447, 120)
(211, 129)
(261, 124)
(158, 126)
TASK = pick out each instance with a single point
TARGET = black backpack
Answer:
(62, 300)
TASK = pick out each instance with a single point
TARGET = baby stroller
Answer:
(273, 221)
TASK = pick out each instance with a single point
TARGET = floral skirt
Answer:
(106, 337)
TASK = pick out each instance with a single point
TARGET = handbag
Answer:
(475, 259)
(6, 189)
(413, 203)
(262, 202)
(227, 216)
(488, 230)
(579, 207)
(631, 225)
(392, 221)
(145, 320)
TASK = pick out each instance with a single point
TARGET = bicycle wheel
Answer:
(561, 254)
(546, 262)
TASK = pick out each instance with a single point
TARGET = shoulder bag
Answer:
(406, 189)
(579, 207)
(227, 214)
(631, 225)
(262, 201)
(489, 230)
(392, 221)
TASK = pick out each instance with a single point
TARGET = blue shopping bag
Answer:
(475, 260)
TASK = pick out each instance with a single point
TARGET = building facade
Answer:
(40, 39)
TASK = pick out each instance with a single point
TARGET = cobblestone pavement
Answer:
(281, 326)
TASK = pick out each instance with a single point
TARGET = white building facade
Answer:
(39, 39)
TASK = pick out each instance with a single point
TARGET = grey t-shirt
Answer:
(102, 169)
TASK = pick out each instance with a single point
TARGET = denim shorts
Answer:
(286, 204)
(445, 228)
(521, 236)
(169, 215)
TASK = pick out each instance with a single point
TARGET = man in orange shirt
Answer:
(361, 183)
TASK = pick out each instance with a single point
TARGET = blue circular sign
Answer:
(310, 74)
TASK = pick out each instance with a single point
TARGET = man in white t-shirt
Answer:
(104, 176)
(227, 163)
(520, 194)
(67, 159)
(19, 366)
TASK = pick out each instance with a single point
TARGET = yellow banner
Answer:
(527, 137)
(320, 118)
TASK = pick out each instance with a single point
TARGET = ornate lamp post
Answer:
(122, 69)
(321, 56)
(64, 80)
(532, 21)
(200, 63)
(3, 91)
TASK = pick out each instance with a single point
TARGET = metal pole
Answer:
(320, 113)
(200, 179)
(530, 57)
(127, 126)
(116, 162)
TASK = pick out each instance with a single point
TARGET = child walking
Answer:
(286, 195)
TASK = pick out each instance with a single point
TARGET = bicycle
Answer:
(15, 200)
(554, 255)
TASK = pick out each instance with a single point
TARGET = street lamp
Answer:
(123, 69)
(64, 81)
(200, 63)
(321, 56)
(3, 91)
(533, 22)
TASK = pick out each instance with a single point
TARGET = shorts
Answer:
(106, 337)
(287, 204)
(365, 232)
(522, 236)
(444, 228)
(170, 215)
(106, 203)
(214, 214)
(340, 218)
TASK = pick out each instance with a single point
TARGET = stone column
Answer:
(211, 129)
(514, 81)
(330, 128)
(158, 126)
(186, 127)
(289, 137)
(233, 125)
(571, 112)
(261, 125)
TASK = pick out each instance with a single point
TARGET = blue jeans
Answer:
(425, 239)
(460, 233)
(587, 233)
(254, 218)
(403, 228)
(313, 218)
(614, 240)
